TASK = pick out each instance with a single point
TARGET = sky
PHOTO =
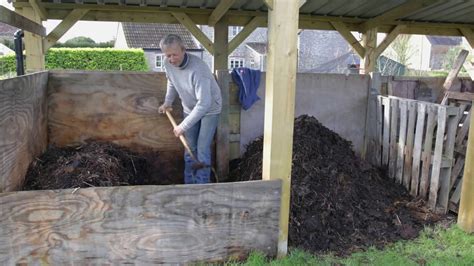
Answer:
(98, 31)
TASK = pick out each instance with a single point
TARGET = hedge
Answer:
(7, 64)
(96, 59)
(86, 59)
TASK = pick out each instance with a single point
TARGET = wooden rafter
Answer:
(219, 11)
(346, 33)
(469, 35)
(13, 19)
(400, 11)
(388, 40)
(187, 22)
(147, 14)
(38, 7)
(63, 27)
(245, 32)
(269, 4)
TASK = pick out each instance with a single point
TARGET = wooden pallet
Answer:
(462, 100)
(414, 140)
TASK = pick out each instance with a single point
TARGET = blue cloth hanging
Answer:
(248, 81)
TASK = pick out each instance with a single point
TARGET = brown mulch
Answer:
(339, 203)
(94, 164)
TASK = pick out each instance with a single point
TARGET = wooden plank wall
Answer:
(144, 225)
(120, 107)
(23, 126)
(422, 88)
(414, 153)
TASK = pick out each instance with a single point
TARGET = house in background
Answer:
(6, 35)
(147, 36)
(315, 47)
(6, 32)
(426, 52)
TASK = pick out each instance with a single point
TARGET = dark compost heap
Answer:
(339, 203)
(94, 164)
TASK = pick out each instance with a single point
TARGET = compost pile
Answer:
(94, 164)
(339, 203)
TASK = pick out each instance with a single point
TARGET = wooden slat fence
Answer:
(463, 101)
(414, 141)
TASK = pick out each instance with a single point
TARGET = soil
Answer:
(339, 203)
(95, 164)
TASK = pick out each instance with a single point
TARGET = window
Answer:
(234, 30)
(159, 61)
(236, 62)
(252, 63)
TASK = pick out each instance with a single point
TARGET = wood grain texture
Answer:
(120, 107)
(386, 132)
(392, 166)
(420, 125)
(437, 158)
(407, 165)
(139, 225)
(23, 121)
(427, 150)
(401, 140)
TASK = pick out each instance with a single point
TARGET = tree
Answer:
(402, 49)
(82, 41)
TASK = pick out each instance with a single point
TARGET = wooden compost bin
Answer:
(116, 225)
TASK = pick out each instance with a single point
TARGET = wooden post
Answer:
(280, 104)
(221, 43)
(466, 207)
(369, 41)
(33, 44)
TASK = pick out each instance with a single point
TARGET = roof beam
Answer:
(400, 11)
(346, 33)
(269, 4)
(187, 22)
(245, 32)
(388, 40)
(63, 27)
(469, 35)
(13, 19)
(39, 9)
(219, 11)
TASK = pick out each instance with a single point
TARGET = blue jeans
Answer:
(200, 139)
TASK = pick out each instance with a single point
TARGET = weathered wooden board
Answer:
(407, 165)
(23, 121)
(393, 138)
(427, 151)
(420, 125)
(119, 107)
(139, 225)
(401, 140)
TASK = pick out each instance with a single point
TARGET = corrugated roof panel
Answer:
(311, 7)
(331, 6)
(433, 10)
(348, 7)
(442, 15)
(356, 12)
(381, 7)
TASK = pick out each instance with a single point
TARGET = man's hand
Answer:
(178, 131)
(162, 109)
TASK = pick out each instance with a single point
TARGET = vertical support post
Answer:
(466, 207)
(221, 43)
(369, 41)
(370, 138)
(33, 44)
(280, 105)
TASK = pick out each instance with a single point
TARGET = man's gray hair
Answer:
(172, 39)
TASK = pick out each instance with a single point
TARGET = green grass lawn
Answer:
(434, 246)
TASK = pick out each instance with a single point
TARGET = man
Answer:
(192, 80)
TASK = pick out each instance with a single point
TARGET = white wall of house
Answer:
(120, 42)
